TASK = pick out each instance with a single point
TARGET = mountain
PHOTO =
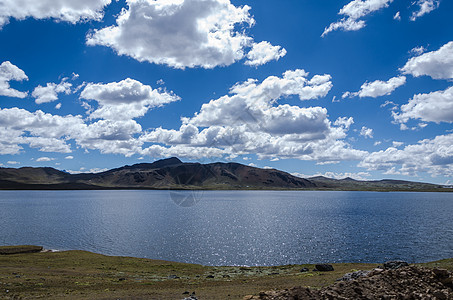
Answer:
(163, 174)
(172, 173)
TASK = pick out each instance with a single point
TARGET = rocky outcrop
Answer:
(8, 250)
(408, 282)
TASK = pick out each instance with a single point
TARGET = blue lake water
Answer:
(234, 227)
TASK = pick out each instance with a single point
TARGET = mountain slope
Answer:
(162, 174)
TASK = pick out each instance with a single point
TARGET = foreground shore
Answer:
(86, 275)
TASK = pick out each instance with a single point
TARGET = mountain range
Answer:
(172, 173)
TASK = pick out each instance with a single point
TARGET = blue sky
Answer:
(334, 88)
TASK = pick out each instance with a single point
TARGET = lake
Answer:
(234, 227)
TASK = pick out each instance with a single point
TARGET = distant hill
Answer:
(349, 184)
(172, 173)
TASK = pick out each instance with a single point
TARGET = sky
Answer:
(359, 89)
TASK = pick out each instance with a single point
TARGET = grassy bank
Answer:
(85, 275)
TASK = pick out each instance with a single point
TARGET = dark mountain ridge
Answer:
(172, 173)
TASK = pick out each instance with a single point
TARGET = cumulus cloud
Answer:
(250, 120)
(49, 93)
(264, 52)
(353, 12)
(434, 156)
(52, 133)
(44, 159)
(377, 88)
(184, 33)
(366, 132)
(109, 128)
(60, 10)
(432, 107)
(424, 7)
(9, 72)
(436, 64)
(124, 100)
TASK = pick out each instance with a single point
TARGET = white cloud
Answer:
(333, 175)
(344, 122)
(52, 133)
(12, 162)
(58, 106)
(83, 170)
(124, 100)
(397, 144)
(69, 157)
(347, 95)
(9, 72)
(45, 159)
(424, 7)
(418, 50)
(397, 16)
(393, 105)
(366, 132)
(434, 156)
(264, 52)
(49, 93)
(433, 107)
(180, 33)
(353, 12)
(250, 121)
(377, 88)
(345, 24)
(437, 64)
(60, 10)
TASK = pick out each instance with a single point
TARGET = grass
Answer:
(85, 275)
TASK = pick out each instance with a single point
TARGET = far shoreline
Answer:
(56, 188)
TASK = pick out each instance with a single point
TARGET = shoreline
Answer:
(77, 274)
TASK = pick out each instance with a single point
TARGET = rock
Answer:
(173, 277)
(303, 270)
(395, 264)
(354, 275)
(210, 276)
(440, 295)
(122, 279)
(323, 268)
(441, 273)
